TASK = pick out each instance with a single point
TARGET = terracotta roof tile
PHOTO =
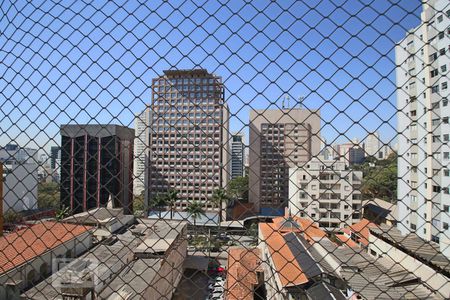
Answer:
(362, 230)
(18, 247)
(242, 276)
(347, 241)
(286, 265)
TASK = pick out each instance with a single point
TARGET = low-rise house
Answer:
(380, 211)
(289, 268)
(27, 255)
(143, 261)
(301, 262)
(244, 273)
(422, 258)
(105, 220)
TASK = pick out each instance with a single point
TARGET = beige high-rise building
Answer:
(279, 140)
(188, 136)
(141, 148)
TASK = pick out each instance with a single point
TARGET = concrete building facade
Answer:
(96, 165)
(422, 101)
(189, 138)
(326, 192)
(237, 155)
(279, 139)
(141, 150)
(20, 186)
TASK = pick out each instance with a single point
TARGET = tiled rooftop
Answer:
(243, 265)
(21, 246)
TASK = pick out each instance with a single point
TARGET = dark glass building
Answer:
(96, 165)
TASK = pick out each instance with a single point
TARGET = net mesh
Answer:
(224, 149)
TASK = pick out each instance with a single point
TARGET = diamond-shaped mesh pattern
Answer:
(225, 149)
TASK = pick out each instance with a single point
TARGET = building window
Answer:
(444, 68)
(435, 239)
(444, 85)
(434, 73)
(435, 89)
(445, 226)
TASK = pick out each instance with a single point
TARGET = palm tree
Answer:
(158, 201)
(195, 210)
(219, 197)
(171, 197)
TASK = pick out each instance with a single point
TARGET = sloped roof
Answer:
(21, 246)
(361, 229)
(279, 237)
(243, 265)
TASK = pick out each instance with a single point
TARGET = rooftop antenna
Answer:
(300, 100)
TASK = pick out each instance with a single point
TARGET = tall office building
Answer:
(237, 155)
(55, 162)
(55, 154)
(189, 136)
(141, 149)
(96, 166)
(423, 62)
(279, 140)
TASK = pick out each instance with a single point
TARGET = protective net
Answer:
(224, 149)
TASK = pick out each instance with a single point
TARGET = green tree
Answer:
(219, 198)
(238, 189)
(172, 198)
(158, 201)
(48, 195)
(195, 210)
(11, 217)
(138, 203)
(380, 181)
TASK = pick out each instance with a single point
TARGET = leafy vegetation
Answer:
(380, 178)
(238, 189)
(48, 195)
(11, 217)
(195, 210)
(219, 198)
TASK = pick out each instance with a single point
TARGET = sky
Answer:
(83, 62)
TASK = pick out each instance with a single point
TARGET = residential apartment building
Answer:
(326, 192)
(351, 153)
(423, 62)
(279, 140)
(141, 149)
(237, 155)
(189, 137)
(96, 166)
(374, 147)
